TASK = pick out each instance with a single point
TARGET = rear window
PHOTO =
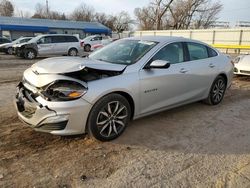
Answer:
(197, 51)
(71, 39)
(58, 39)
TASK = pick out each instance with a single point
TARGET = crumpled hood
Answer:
(59, 65)
(5, 45)
(19, 45)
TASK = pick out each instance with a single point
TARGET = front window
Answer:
(172, 52)
(124, 52)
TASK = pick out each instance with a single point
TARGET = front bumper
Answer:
(241, 70)
(58, 118)
(18, 51)
(3, 50)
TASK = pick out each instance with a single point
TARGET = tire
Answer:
(30, 54)
(10, 51)
(217, 91)
(87, 48)
(72, 52)
(109, 117)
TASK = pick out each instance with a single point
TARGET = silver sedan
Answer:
(128, 79)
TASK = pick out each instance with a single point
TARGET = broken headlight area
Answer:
(63, 90)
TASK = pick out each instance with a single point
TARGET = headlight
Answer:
(236, 60)
(64, 90)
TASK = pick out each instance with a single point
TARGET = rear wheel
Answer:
(217, 91)
(109, 117)
(87, 48)
(30, 54)
(73, 52)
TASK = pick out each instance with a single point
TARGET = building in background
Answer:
(242, 24)
(221, 25)
(14, 27)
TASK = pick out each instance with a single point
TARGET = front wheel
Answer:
(10, 51)
(217, 91)
(30, 54)
(109, 117)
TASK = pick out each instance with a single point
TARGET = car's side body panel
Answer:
(152, 90)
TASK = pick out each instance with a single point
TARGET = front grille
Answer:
(245, 72)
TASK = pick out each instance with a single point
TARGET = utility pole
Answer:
(47, 7)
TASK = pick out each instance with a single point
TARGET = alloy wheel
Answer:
(73, 53)
(31, 55)
(111, 119)
(218, 90)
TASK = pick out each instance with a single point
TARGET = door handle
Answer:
(211, 65)
(183, 70)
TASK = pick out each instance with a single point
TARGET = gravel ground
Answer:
(192, 146)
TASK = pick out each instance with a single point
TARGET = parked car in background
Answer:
(90, 41)
(4, 40)
(127, 79)
(242, 65)
(8, 47)
(50, 44)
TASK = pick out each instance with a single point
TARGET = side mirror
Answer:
(39, 42)
(158, 64)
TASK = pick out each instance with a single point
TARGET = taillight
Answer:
(82, 44)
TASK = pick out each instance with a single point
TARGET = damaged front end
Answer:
(49, 99)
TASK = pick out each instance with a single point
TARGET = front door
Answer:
(45, 46)
(175, 85)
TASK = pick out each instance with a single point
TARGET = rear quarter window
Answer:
(71, 39)
(211, 52)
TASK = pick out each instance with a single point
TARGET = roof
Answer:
(166, 39)
(45, 24)
(158, 38)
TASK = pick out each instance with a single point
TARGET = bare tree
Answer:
(146, 18)
(152, 15)
(6, 8)
(207, 15)
(178, 14)
(160, 8)
(122, 22)
(83, 13)
(43, 13)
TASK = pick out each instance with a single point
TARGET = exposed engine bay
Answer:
(89, 74)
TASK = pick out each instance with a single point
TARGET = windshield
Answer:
(124, 52)
(17, 41)
(34, 40)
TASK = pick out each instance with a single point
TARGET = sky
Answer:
(233, 10)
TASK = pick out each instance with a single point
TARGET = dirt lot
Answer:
(191, 146)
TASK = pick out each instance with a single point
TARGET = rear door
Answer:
(60, 44)
(202, 67)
